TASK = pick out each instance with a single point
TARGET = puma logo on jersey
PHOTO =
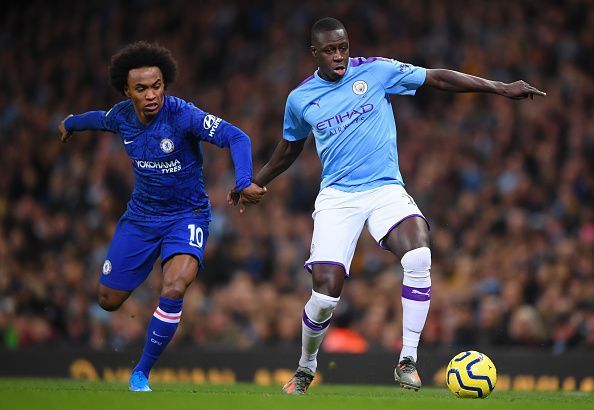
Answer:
(418, 292)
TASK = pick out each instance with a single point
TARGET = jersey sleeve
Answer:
(215, 130)
(205, 126)
(398, 77)
(93, 121)
(294, 125)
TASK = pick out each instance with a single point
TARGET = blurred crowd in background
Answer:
(508, 186)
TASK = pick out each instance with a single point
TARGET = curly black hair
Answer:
(141, 54)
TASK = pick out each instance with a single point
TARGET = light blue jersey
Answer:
(352, 121)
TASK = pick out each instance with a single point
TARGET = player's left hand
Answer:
(251, 195)
(520, 90)
(64, 134)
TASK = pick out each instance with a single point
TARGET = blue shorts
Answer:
(136, 245)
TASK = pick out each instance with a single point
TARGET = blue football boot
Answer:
(139, 382)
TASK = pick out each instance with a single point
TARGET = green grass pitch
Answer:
(71, 394)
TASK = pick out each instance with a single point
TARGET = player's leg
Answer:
(410, 242)
(178, 273)
(408, 239)
(338, 221)
(181, 252)
(328, 280)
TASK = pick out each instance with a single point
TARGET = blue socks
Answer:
(160, 331)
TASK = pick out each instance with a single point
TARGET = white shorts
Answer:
(339, 218)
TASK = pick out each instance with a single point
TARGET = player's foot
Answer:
(139, 382)
(299, 382)
(406, 374)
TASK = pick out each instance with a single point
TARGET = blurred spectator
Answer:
(527, 328)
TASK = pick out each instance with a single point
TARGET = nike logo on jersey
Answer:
(126, 142)
(158, 335)
(418, 292)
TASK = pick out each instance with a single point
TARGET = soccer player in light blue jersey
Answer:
(169, 212)
(345, 104)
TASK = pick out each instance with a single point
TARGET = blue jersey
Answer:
(167, 157)
(353, 122)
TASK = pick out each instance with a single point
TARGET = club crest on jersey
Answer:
(107, 267)
(360, 87)
(167, 145)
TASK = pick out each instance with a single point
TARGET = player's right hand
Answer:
(233, 197)
(251, 195)
(64, 134)
(520, 90)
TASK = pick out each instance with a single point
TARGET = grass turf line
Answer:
(50, 394)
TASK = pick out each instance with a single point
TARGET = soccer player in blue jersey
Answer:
(169, 212)
(345, 105)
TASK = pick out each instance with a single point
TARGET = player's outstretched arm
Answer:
(448, 80)
(88, 121)
(285, 153)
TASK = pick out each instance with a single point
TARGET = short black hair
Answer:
(325, 24)
(141, 54)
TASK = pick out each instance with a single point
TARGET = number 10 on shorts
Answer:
(196, 236)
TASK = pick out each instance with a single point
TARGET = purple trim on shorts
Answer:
(418, 294)
(313, 325)
(357, 61)
(381, 242)
(308, 266)
(305, 81)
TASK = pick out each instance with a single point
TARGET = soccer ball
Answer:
(471, 374)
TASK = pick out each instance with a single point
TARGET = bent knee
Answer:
(417, 262)
(328, 279)
(175, 289)
(111, 300)
(109, 305)
(319, 308)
